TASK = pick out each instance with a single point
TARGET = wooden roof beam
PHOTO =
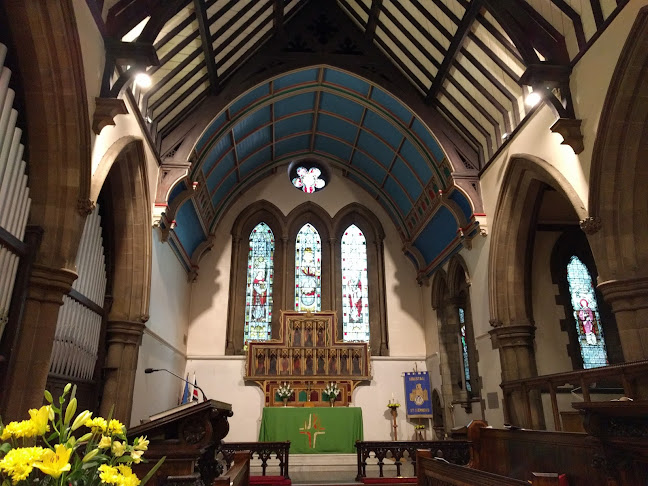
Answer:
(372, 21)
(208, 48)
(278, 15)
(455, 46)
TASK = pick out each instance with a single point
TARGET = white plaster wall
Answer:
(551, 342)
(164, 341)
(591, 77)
(208, 318)
(221, 378)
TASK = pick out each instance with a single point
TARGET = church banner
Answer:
(417, 395)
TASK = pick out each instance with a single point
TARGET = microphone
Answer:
(153, 370)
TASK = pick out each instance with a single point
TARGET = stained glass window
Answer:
(464, 348)
(260, 273)
(586, 314)
(308, 270)
(355, 294)
(308, 180)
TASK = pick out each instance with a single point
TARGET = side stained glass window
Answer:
(355, 294)
(308, 270)
(586, 314)
(464, 348)
(260, 273)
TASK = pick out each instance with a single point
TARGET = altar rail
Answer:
(453, 451)
(624, 375)
(263, 451)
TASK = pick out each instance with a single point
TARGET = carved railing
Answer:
(264, 451)
(623, 376)
(453, 451)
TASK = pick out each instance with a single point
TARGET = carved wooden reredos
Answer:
(308, 354)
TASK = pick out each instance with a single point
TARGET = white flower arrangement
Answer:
(332, 390)
(284, 391)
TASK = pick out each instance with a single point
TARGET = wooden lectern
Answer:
(188, 436)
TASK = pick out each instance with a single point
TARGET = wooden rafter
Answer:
(576, 21)
(278, 15)
(372, 21)
(208, 49)
(455, 46)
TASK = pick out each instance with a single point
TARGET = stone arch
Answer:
(510, 258)
(510, 255)
(617, 226)
(458, 276)
(56, 114)
(127, 229)
(106, 163)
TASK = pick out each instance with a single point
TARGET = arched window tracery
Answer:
(260, 275)
(307, 269)
(355, 285)
(586, 314)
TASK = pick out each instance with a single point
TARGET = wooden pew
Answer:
(238, 474)
(435, 472)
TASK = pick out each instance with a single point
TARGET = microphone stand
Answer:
(153, 370)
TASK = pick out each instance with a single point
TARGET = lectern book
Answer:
(170, 411)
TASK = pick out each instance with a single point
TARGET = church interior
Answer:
(309, 206)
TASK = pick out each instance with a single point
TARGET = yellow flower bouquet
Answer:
(44, 449)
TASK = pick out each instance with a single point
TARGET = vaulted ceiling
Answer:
(406, 97)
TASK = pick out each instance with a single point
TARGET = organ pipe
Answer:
(14, 192)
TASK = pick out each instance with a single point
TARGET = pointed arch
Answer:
(510, 247)
(127, 227)
(365, 220)
(314, 214)
(256, 213)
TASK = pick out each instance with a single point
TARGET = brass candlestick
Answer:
(393, 406)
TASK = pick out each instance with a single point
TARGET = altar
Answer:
(314, 430)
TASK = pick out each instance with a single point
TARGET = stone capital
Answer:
(50, 284)
(629, 294)
(513, 335)
(124, 332)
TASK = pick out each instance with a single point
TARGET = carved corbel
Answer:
(591, 225)
(106, 109)
(546, 80)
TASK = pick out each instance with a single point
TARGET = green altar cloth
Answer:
(318, 430)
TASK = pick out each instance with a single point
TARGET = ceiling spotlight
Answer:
(143, 80)
(532, 99)
(505, 135)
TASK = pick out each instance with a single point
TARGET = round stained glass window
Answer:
(308, 176)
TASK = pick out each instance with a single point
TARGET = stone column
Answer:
(33, 350)
(123, 339)
(629, 301)
(449, 358)
(517, 358)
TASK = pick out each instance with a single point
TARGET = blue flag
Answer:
(185, 394)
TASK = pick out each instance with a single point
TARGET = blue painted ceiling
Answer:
(354, 125)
